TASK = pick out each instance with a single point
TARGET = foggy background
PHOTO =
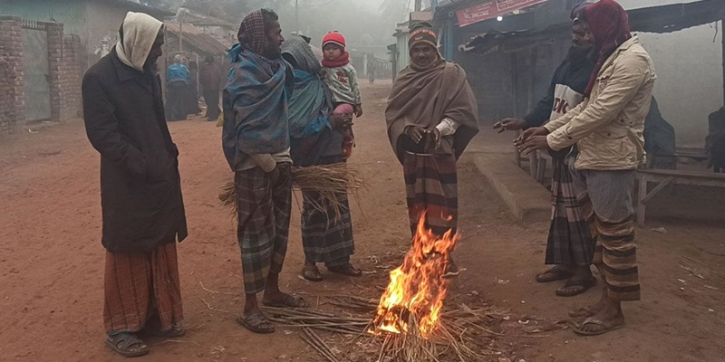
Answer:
(688, 63)
(690, 74)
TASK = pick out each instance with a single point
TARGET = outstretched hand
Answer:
(510, 124)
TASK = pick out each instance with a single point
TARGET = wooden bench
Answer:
(665, 178)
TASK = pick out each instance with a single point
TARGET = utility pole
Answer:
(297, 16)
(418, 5)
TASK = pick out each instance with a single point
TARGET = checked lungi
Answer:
(264, 218)
(570, 241)
(326, 237)
(431, 184)
(607, 202)
(141, 286)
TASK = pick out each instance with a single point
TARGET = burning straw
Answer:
(409, 319)
(328, 181)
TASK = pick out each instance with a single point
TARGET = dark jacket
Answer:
(210, 77)
(573, 73)
(140, 186)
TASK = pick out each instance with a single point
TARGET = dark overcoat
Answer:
(140, 187)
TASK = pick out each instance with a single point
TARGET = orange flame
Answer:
(419, 287)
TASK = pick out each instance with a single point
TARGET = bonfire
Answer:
(409, 313)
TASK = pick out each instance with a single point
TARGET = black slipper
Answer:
(576, 287)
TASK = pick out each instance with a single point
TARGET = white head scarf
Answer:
(139, 34)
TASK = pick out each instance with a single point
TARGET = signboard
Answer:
(492, 9)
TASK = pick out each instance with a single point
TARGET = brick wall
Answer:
(12, 107)
(69, 78)
(64, 64)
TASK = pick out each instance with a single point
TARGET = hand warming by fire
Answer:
(414, 298)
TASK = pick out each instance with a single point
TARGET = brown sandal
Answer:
(256, 322)
(348, 270)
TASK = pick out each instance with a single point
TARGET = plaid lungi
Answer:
(607, 201)
(325, 237)
(431, 182)
(139, 286)
(570, 241)
(263, 229)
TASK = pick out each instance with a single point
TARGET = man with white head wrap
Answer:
(142, 205)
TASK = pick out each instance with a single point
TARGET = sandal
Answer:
(575, 287)
(175, 331)
(287, 301)
(348, 270)
(256, 322)
(311, 273)
(553, 275)
(127, 345)
(602, 327)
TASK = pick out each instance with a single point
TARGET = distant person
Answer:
(659, 139)
(211, 83)
(570, 246)
(371, 72)
(432, 115)
(256, 142)
(608, 130)
(715, 142)
(341, 78)
(141, 201)
(178, 80)
(192, 90)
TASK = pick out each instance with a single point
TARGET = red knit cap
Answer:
(334, 37)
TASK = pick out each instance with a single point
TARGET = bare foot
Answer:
(586, 312)
(606, 320)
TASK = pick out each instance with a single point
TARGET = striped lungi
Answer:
(607, 202)
(139, 286)
(431, 184)
(327, 238)
(570, 241)
(263, 229)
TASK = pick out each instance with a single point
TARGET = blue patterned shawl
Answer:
(255, 106)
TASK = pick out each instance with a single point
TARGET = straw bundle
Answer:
(328, 181)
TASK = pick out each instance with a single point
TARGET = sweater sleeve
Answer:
(542, 112)
(354, 85)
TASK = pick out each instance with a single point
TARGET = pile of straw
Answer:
(330, 182)
(461, 335)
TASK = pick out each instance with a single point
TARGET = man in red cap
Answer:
(608, 130)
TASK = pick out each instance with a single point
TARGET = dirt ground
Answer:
(51, 259)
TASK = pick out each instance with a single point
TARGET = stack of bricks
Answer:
(12, 100)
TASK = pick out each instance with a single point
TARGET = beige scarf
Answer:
(139, 34)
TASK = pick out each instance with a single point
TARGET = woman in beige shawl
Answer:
(432, 115)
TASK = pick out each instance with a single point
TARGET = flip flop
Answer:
(348, 270)
(311, 273)
(287, 301)
(553, 275)
(255, 321)
(605, 327)
(123, 342)
(583, 286)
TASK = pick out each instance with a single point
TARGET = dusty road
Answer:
(51, 261)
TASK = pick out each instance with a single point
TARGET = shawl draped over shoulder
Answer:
(424, 98)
